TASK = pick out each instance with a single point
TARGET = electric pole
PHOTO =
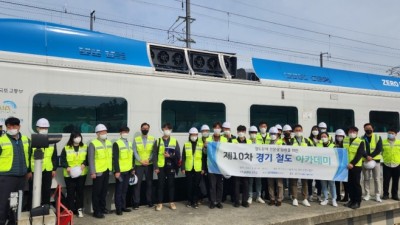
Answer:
(188, 21)
(92, 18)
(185, 35)
(321, 58)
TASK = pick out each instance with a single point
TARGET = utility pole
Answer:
(92, 19)
(321, 58)
(185, 35)
(188, 21)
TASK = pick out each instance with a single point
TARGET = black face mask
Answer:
(145, 132)
(287, 135)
(368, 131)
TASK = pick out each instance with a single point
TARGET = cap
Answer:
(205, 127)
(369, 165)
(253, 129)
(278, 126)
(193, 130)
(133, 180)
(100, 127)
(226, 125)
(322, 125)
(287, 128)
(340, 132)
(273, 130)
(43, 122)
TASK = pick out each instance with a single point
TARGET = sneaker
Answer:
(310, 198)
(158, 207)
(195, 206)
(385, 197)
(334, 203)
(295, 202)
(250, 200)
(378, 198)
(80, 213)
(219, 205)
(305, 203)
(320, 199)
(325, 202)
(135, 206)
(172, 206)
(260, 200)
(189, 204)
(367, 197)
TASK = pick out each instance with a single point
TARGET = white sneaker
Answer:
(310, 198)
(320, 199)
(260, 200)
(250, 200)
(305, 203)
(80, 213)
(325, 202)
(367, 198)
(334, 203)
(295, 202)
(378, 198)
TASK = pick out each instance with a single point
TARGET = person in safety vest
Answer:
(204, 184)
(228, 183)
(339, 137)
(326, 143)
(275, 183)
(355, 150)
(314, 139)
(100, 166)
(373, 149)
(168, 156)
(14, 164)
(391, 164)
(73, 160)
(254, 140)
(193, 166)
(123, 169)
(144, 159)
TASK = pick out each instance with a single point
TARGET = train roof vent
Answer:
(169, 59)
(246, 74)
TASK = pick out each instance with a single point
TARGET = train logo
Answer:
(8, 107)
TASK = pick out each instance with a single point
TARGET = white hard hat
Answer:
(100, 127)
(133, 180)
(273, 130)
(43, 122)
(287, 127)
(253, 129)
(193, 130)
(322, 125)
(226, 125)
(205, 127)
(278, 126)
(75, 172)
(340, 132)
(369, 165)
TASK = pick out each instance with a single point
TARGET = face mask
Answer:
(205, 134)
(167, 132)
(193, 138)
(273, 137)
(240, 134)
(12, 132)
(124, 135)
(263, 130)
(299, 134)
(323, 130)
(253, 136)
(217, 132)
(352, 135)
(145, 132)
(368, 132)
(391, 136)
(315, 132)
(43, 131)
(287, 135)
(324, 140)
(340, 139)
(77, 140)
(227, 132)
(103, 136)
(292, 135)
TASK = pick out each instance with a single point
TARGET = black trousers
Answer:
(193, 181)
(317, 186)
(216, 187)
(355, 191)
(165, 175)
(346, 189)
(8, 184)
(229, 189)
(46, 188)
(75, 187)
(99, 192)
(141, 171)
(244, 182)
(121, 188)
(391, 174)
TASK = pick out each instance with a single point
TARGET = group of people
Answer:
(146, 155)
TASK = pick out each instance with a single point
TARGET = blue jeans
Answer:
(332, 187)
(258, 186)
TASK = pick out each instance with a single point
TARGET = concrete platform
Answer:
(48, 219)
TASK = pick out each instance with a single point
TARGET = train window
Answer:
(184, 114)
(273, 115)
(67, 113)
(336, 118)
(382, 121)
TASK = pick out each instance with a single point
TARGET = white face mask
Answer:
(263, 130)
(391, 136)
(298, 134)
(323, 130)
(103, 136)
(315, 132)
(352, 135)
(324, 140)
(253, 136)
(205, 134)
(340, 139)
(167, 132)
(77, 140)
(125, 135)
(227, 132)
(193, 138)
(12, 132)
(43, 131)
(292, 135)
(273, 137)
(217, 132)
(241, 134)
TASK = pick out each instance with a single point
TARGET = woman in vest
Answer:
(193, 166)
(391, 165)
(314, 139)
(74, 158)
(326, 143)
(339, 137)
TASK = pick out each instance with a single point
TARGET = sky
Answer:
(357, 35)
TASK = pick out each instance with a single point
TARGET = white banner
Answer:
(279, 161)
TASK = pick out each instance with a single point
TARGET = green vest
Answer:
(277, 142)
(144, 152)
(391, 154)
(372, 146)
(75, 158)
(235, 141)
(102, 155)
(125, 160)
(321, 145)
(221, 139)
(352, 149)
(7, 154)
(260, 139)
(302, 143)
(47, 159)
(193, 161)
(161, 150)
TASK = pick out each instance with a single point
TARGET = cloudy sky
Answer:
(359, 35)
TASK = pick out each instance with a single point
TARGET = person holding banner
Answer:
(263, 136)
(391, 165)
(273, 134)
(204, 182)
(193, 166)
(326, 143)
(339, 136)
(244, 181)
(314, 139)
(228, 183)
(253, 138)
(355, 150)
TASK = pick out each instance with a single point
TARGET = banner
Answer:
(277, 161)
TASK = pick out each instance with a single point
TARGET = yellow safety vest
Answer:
(144, 152)
(372, 146)
(260, 140)
(75, 158)
(352, 149)
(125, 160)
(193, 161)
(7, 154)
(391, 154)
(102, 155)
(235, 141)
(321, 145)
(47, 159)
(161, 150)
(302, 143)
(277, 142)
(221, 139)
